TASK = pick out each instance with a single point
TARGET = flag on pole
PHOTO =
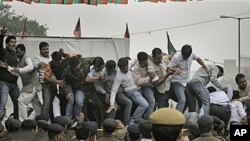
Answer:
(179, 0)
(77, 31)
(126, 35)
(92, 2)
(6, 1)
(36, 1)
(171, 49)
(26, 1)
(155, 1)
(24, 31)
(102, 1)
(118, 1)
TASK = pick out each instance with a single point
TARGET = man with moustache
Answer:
(49, 89)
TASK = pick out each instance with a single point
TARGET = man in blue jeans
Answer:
(196, 88)
(143, 77)
(183, 60)
(124, 78)
(161, 82)
(8, 81)
(121, 98)
(76, 77)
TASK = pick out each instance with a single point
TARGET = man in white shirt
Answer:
(183, 60)
(238, 113)
(124, 78)
(49, 90)
(220, 103)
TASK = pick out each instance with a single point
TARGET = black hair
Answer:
(235, 94)
(156, 51)
(56, 56)
(142, 56)
(82, 131)
(122, 62)
(134, 136)
(145, 129)
(110, 64)
(211, 89)
(98, 61)
(92, 127)
(220, 69)
(239, 76)
(9, 38)
(127, 57)
(186, 51)
(43, 44)
(74, 61)
(21, 47)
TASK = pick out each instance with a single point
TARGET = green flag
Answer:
(171, 49)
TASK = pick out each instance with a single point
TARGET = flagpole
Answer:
(239, 19)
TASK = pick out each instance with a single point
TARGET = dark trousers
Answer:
(96, 107)
(222, 112)
(163, 98)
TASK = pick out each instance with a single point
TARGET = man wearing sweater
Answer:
(31, 85)
(143, 78)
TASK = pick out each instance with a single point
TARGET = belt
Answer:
(224, 105)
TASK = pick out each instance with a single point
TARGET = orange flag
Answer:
(126, 35)
(24, 31)
(77, 31)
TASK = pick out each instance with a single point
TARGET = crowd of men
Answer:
(61, 89)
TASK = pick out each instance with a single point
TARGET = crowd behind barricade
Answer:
(69, 97)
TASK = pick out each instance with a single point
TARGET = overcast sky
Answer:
(216, 40)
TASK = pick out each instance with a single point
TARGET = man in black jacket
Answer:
(8, 81)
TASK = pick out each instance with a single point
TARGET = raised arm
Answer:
(1, 47)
